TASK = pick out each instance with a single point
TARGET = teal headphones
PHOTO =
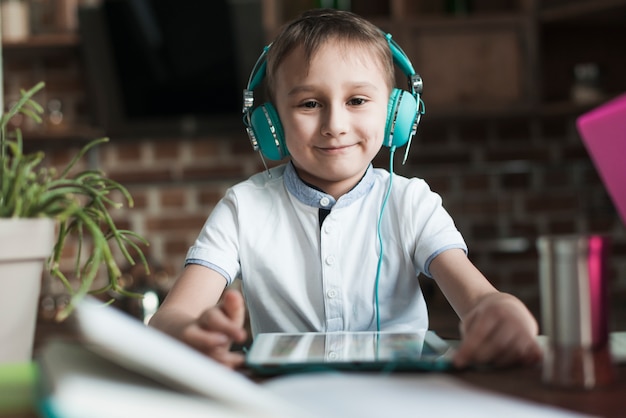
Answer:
(404, 110)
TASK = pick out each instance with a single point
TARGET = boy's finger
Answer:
(229, 358)
(216, 320)
(205, 341)
(473, 346)
(234, 308)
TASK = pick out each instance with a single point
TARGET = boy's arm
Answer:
(496, 327)
(191, 313)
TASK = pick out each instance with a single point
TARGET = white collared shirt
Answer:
(298, 276)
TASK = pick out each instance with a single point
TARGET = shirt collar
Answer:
(318, 199)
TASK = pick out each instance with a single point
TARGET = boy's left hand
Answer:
(499, 331)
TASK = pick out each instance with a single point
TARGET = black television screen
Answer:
(169, 67)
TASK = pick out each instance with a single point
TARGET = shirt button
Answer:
(331, 293)
(324, 201)
(330, 260)
(333, 355)
(328, 228)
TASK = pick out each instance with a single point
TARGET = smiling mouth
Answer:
(335, 149)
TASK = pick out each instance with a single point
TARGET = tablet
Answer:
(276, 353)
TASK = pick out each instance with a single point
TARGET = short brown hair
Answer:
(315, 27)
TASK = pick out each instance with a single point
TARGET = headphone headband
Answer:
(405, 109)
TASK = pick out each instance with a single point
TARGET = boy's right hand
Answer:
(217, 328)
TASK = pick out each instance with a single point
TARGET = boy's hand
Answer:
(499, 331)
(217, 328)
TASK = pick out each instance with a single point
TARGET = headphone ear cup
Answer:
(268, 131)
(401, 116)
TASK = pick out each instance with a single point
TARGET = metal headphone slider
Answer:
(248, 100)
(416, 84)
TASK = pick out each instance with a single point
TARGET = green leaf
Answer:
(80, 203)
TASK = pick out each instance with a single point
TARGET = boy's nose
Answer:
(335, 121)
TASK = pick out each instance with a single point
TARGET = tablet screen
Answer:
(276, 352)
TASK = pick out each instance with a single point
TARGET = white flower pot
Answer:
(25, 244)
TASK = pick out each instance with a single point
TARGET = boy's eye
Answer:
(310, 104)
(357, 101)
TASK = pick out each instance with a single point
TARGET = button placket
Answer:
(331, 281)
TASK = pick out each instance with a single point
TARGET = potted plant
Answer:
(41, 211)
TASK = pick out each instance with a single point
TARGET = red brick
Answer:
(575, 152)
(215, 171)
(556, 178)
(513, 129)
(140, 199)
(130, 151)
(515, 180)
(172, 198)
(562, 227)
(474, 132)
(475, 182)
(554, 126)
(165, 150)
(122, 222)
(523, 154)
(204, 149)
(425, 157)
(523, 229)
(485, 230)
(142, 175)
(547, 203)
(487, 206)
(176, 224)
(209, 197)
(241, 146)
(177, 246)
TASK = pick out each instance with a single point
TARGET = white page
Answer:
(76, 383)
(343, 395)
(128, 342)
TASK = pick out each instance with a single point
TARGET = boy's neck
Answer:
(336, 194)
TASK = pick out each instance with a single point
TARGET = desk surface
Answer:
(523, 383)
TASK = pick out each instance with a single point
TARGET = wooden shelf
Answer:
(582, 10)
(502, 47)
(74, 133)
(474, 111)
(555, 108)
(568, 107)
(473, 21)
(43, 43)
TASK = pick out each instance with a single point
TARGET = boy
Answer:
(304, 239)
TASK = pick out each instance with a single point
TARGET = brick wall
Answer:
(504, 181)
(507, 181)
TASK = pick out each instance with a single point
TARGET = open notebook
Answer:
(123, 369)
(603, 131)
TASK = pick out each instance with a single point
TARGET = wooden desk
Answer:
(524, 383)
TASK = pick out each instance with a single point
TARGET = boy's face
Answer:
(333, 113)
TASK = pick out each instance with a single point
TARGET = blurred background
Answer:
(504, 83)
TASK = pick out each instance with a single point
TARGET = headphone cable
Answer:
(392, 151)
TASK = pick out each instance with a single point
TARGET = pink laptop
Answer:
(603, 131)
